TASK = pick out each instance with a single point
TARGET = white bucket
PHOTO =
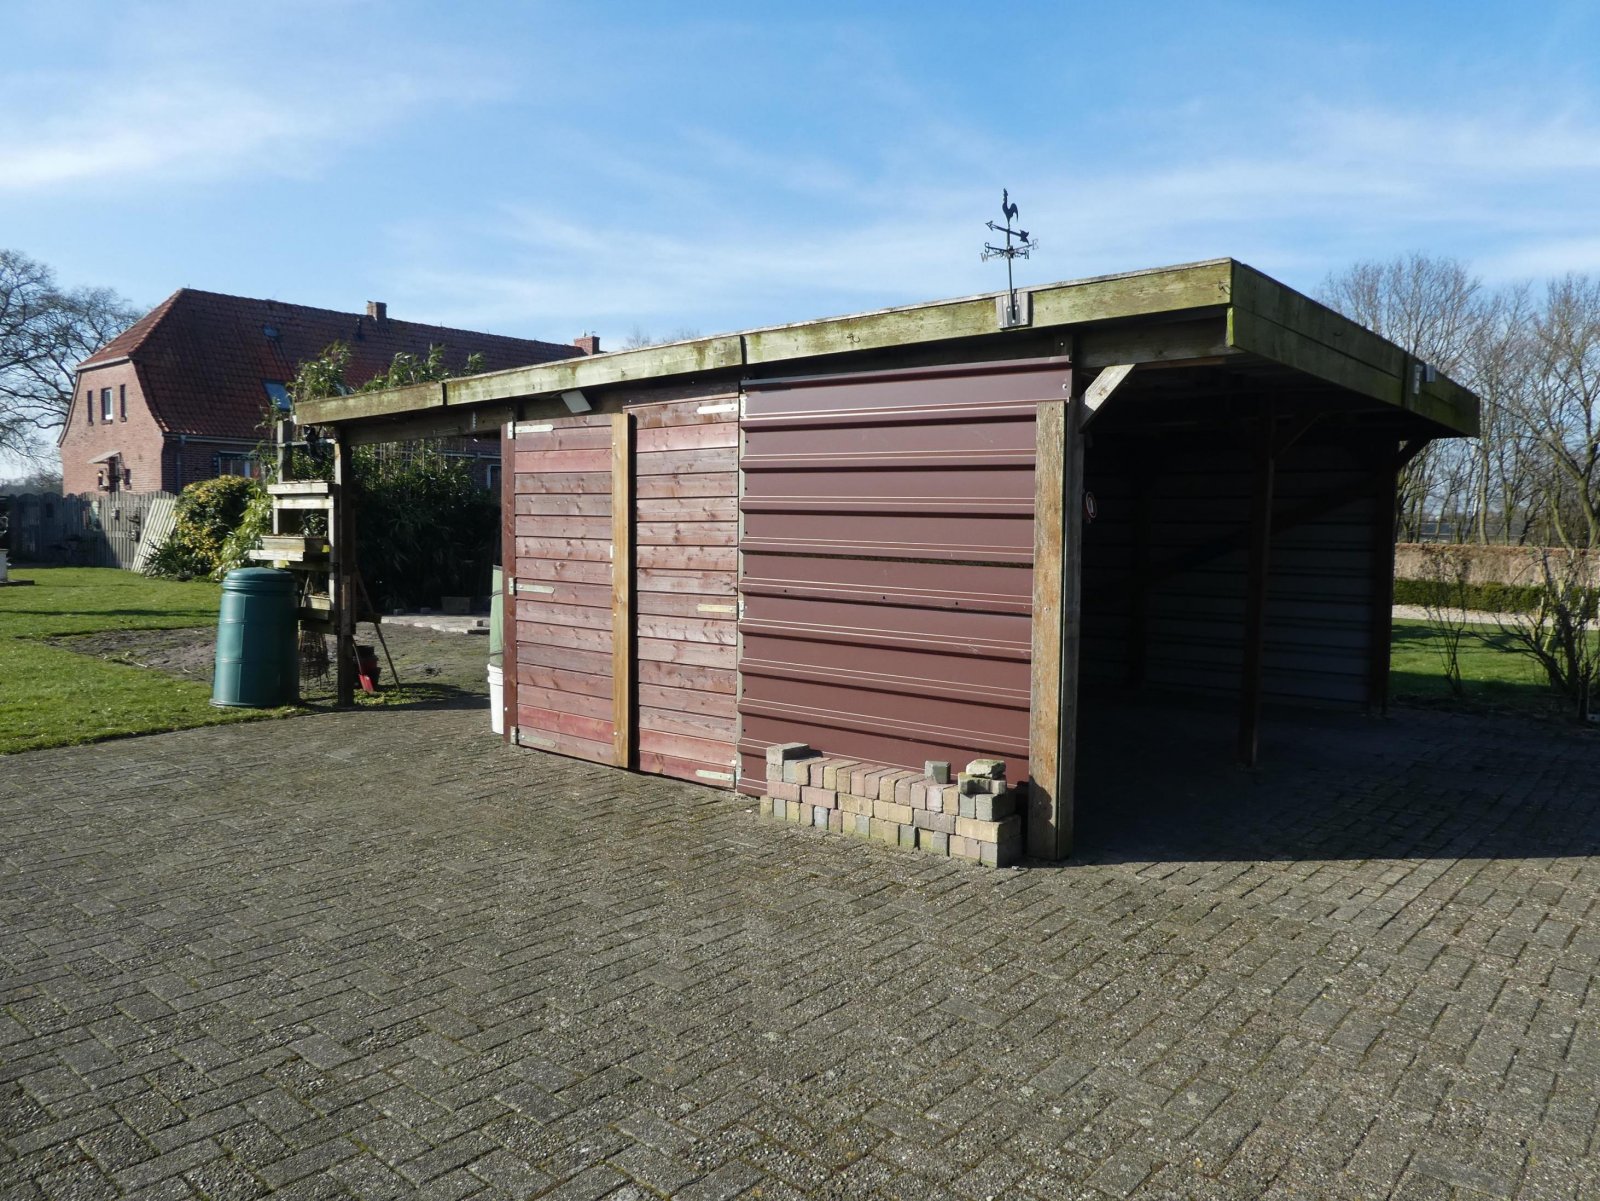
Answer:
(497, 695)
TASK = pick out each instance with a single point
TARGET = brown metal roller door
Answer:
(886, 563)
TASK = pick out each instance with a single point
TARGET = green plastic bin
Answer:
(258, 661)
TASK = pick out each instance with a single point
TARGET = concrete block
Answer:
(937, 770)
(851, 803)
(994, 808)
(784, 792)
(836, 773)
(908, 838)
(797, 813)
(967, 805)
(819, 816)
(964, 848)
(945, 823)
(873, 781)
(891, 812)
(917, 794)
(784, 751)
(933, 842)
(998, 831)
(1000, 854)
(884, 831)
(979, 785)
(889, 785)
(836, 820)
(774, 771)
(858, 824)
(993, 769)
(824, 798)
(766, 806)
(797, 771)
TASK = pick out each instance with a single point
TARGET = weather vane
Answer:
(1022, 248)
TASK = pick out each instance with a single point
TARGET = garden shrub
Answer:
(208, 511)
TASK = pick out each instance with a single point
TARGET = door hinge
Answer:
(515, 587)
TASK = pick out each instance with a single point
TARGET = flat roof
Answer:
(1259, 321)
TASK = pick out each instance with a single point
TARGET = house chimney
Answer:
(589, 343)
(378, 311)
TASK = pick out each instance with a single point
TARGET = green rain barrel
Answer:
(258, 661)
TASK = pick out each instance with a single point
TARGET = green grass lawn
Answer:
(1495, 677)
(52, 696)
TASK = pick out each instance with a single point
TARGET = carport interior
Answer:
(1237, 548)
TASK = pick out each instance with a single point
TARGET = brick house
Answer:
(183, 394)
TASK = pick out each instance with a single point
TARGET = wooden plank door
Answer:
(566, 506)
(686, 560)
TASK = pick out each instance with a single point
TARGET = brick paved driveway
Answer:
(375, 954)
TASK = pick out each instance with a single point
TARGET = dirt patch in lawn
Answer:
(435, 667)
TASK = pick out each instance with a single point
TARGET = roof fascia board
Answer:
(1103, 298)
(1275, 322)
(594, 371)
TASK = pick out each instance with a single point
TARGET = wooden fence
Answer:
(107, 529)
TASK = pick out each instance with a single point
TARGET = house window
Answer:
(122, 400)
(238, 463)
(88, 405)
(105, 405)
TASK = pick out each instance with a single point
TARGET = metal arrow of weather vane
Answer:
(1021, 248)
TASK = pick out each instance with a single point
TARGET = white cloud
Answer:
(185, 97)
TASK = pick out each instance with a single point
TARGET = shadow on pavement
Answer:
(1157, 782)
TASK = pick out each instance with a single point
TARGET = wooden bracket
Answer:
(1100, 391)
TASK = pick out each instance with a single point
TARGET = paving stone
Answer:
(406, 961)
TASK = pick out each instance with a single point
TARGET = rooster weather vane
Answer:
(1022, 248)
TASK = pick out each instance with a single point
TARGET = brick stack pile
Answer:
(971, 817)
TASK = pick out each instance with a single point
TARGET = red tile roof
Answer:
(204, 358)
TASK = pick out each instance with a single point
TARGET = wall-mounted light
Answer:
(576, 401)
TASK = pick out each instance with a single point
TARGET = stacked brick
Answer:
(973, 816)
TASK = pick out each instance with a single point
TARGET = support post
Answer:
(1057, 621)
(341, 528)
(1255, 607)
(622, 688)
(508, 582)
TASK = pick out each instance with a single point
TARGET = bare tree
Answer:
(1436, 309)
(45, 333)
(638, 337)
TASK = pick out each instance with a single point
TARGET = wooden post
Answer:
(1057, 621)
(1255, 606)
(508, 582)
(622, 703)
(341, 530)
(1381, 623)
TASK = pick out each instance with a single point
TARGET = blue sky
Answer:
(549, 168)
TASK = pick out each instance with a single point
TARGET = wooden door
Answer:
(566, 540)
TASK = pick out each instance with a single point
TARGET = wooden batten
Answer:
(622, 580)
(1057, 622)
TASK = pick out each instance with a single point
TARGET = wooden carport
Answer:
(1299, 418)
